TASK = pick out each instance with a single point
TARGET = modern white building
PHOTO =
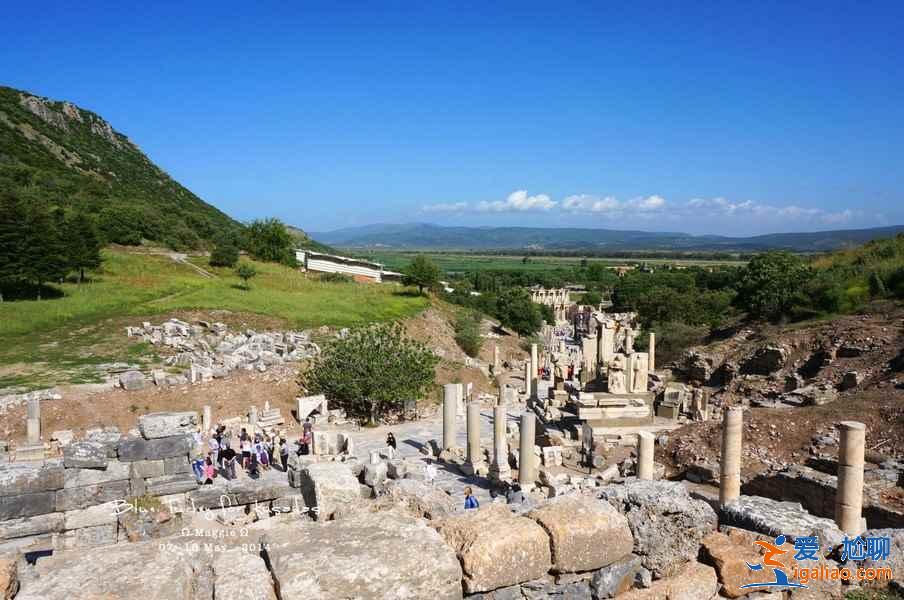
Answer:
(359, 270)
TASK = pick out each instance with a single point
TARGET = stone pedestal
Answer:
(450, 410)
(849, 497)
(527, 462)
(474, 454)
(730, 477)
(500, 469)
(646, 443)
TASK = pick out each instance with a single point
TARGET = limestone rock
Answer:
(692, 581)
(730, 561)
(766, 360)
(29, 526)
(421, 499)
(114, 471)
(241, 574)
(668, 525)
(89, 495)
(329, 488)
(132, 381)
(85, 455)
(93, 516)
(616, 578)
(367, 555)
(773, 518)
(9, 578)
(167, 424)
(237, 492)
(124, 572)
(135, 448)
(584, 534)
(496, 548)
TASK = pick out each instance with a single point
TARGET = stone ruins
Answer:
(563, 460)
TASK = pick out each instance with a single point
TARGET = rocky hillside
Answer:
(57, 154)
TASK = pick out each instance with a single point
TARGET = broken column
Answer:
(849, 499)
(252, 420)
(730, 478)
(495, 358)
(500, 468)
(450, 409)
(527, 462)
(33, 423)
(473, 423)
(534, 367)
(527, 379)
(652, 352)
(206, 421)
(646, 442)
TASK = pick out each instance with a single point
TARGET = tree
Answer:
(83, 244)
(225, 252)
(516, 311)
(467, 332)
(269, 240)
(770, 283)
(372, 371)
(44, 252)
(422, 272)
(592, 298)
(245, 272)
(12, 240)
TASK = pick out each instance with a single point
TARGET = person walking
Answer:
(228, 456)
(390, 441)
(470, 501)
(209, 471)
(246, 452)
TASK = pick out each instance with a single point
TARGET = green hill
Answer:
(56, 154)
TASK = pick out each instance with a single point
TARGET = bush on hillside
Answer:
(467, 332)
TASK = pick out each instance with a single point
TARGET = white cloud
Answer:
(653, 207)
(519, 201)
(448, 207)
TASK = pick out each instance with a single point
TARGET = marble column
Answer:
(473, 423)
(206, 423)
(33, 422)
(450, 410)
(534, 366)
(252, 420)
(730, 477)
(652, 352)
(849, 497)
(646, 442)
(527, 462)
(527, 379)
(496, 358)
(500, 468)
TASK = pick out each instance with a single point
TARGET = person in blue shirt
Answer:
(470, 500)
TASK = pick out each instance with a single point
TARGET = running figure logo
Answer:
(772, 550)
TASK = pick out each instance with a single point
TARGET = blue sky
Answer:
(728, 118)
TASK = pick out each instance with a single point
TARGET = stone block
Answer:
(29, 526)
(616, 578)
(27, 478)
(584, 533)
(176, 464)
(93, 516)
(132, 449)
(235, 493)
(329, 488)
(375, 474)
(367, 555)
(115, 471)
(422, 499)
(146, 468)
(85, 455)
(241, 574)
(109, 437)
(495, 548)
(87, 537)
(165, 485)
(132, 381)
(692, 581)
(167, 424)
(27, 505)
(89, 495)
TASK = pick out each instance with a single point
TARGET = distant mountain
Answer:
(56, 154)
(426, 236)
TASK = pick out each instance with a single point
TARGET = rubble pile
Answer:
(210, 351)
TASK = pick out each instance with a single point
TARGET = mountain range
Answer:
(427, 236)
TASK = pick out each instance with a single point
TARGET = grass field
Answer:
(477, 262)
(63, 339)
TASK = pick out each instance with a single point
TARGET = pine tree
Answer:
(83, 244)
(44, 253)
(12, 241)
